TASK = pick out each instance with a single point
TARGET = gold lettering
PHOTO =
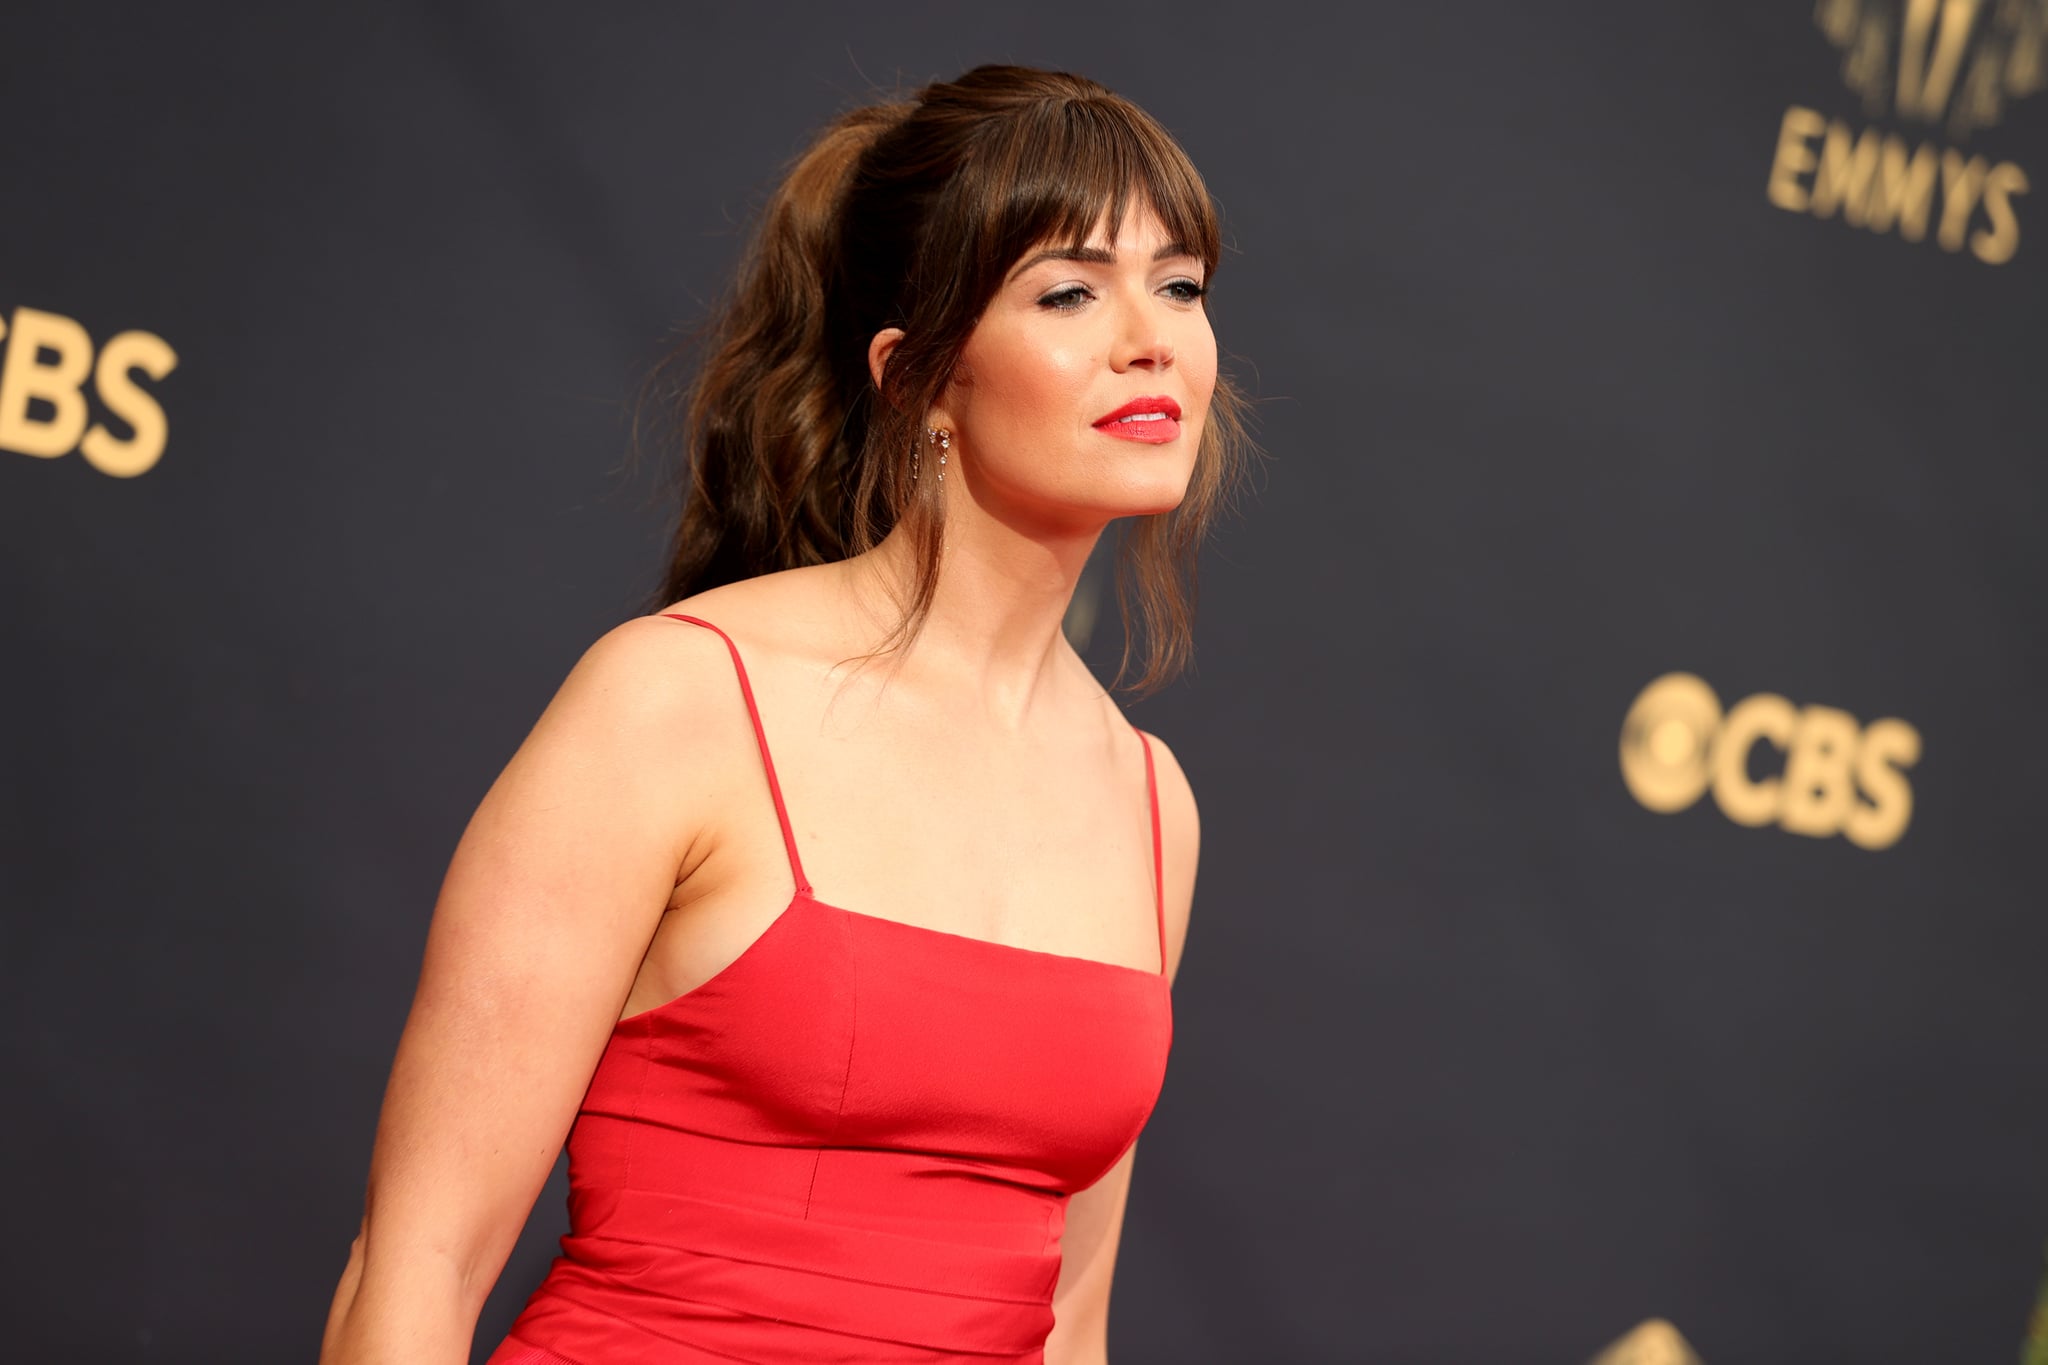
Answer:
(1904, 190)
(143, 351)
(1794, 158)
(1889, 747)
(1763, 716)
(1818, 791)
(1961, 182)
(1848, 164)
(24, 377)
(1996, 246)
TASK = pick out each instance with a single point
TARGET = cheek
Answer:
(1026, 385)
(1198, 358)
(1197, 363)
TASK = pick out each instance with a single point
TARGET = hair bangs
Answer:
(1071, 165)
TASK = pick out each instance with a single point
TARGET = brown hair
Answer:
(909, 214)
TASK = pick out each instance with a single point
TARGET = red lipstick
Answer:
(1154, 419)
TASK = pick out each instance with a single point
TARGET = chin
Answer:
(1150, 502)
(1091, 504)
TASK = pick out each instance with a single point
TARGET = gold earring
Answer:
(944, 436)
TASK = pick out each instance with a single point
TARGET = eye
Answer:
(1066, 299)
(1186, 291)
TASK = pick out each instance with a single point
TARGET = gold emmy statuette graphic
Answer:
(1838, 776)
(1946, 67)
(1655, 1342)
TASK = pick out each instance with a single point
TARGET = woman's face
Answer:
(1083, 390)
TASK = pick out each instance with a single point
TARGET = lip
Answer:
(1149, 403)
(1156, 431)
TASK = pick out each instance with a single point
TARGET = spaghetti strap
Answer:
(1158, 861)
(796, 866)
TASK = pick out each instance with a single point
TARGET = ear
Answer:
(879, 351)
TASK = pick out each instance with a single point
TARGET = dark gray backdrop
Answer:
(1476, 1057)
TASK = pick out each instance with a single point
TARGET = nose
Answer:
(1142, 344)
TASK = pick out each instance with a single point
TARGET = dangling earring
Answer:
(944, 436)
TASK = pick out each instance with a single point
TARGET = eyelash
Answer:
(1193, 292)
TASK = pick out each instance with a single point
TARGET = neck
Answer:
(997, 609)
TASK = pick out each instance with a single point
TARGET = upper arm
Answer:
(548, 905)
(1095, 1216)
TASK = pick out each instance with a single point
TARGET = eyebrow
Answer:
(1095, 255)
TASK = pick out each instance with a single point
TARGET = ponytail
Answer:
(772, 452)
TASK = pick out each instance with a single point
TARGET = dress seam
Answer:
(821, 1274)
(846, 1079)
(549, 1352)
(760, 1317)
(589, 1307)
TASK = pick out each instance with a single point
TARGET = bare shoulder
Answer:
(657, 668)
(790, 610)
(646, 675)
(1178, 813)
(1180, 839)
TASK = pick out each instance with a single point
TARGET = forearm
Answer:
(415, 1314)
(1092, 1349)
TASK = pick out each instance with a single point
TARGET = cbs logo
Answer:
(1838, 777)
(47, 359)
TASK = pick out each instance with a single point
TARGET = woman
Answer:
(889, 1117)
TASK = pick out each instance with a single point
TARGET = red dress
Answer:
(853, 1144)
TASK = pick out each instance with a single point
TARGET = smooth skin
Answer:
(979, 782)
